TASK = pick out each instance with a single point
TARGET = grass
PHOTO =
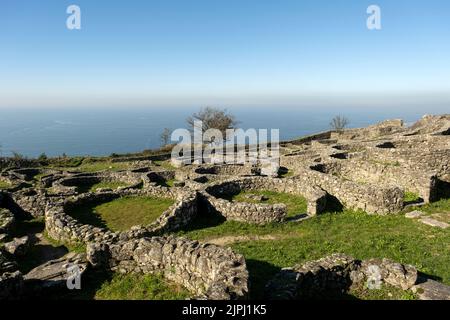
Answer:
(72, 247)
(140, 287)
(411, 197)
(113, 185)
(355, 233)
(386, 292)
(5, 185)
(164, 164)
(295, 204)
(121, 214)
(90, 165)
(167, 183)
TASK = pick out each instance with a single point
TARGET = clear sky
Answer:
(217, 52)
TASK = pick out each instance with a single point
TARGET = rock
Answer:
(55, 273)
(11, 281)
(337, 273)
(414, 214)
(98, 254)
(434, 223)
(6, 220)
(256, 197)
(179, 184)
(432, 290)
(18, 246)
(11, 285)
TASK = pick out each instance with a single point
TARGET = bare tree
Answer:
(165, 137)
(213, 118)
(339, 123)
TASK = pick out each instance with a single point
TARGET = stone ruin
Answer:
(336, 274)
(370, 169)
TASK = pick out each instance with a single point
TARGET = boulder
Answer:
(56, 274)
(18, 246)
(6, 220)
(414, 214)
(434, 223)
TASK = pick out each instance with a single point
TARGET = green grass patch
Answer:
(72, 247)
(140, 287)
(166, 164)
(113, 185)
(166, 183)
(358, 234)
(5, 185)
(385, 292)
(295, 204)
(411, 197)
(90, 165)
(121, 214)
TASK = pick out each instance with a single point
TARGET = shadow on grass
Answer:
(205, 220)
(91, 281)
(260, 272)
(86, 214)
(333, 205)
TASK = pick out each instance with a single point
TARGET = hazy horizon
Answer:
(316, 54)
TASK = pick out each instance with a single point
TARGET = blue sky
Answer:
(225, 52)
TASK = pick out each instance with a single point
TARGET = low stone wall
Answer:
(336, 274)
(387, 175)
(261, 213)
(68, 185)
(209, 271)
(62, 227)
(7, 220)
(28, 202)
(369, 198)
(11, 280)
(155, 177)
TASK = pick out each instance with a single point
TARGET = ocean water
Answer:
(101, 131)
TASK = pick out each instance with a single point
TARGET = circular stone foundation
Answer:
(122, 213)
(263, 200)
(125, 214)
(83, 183)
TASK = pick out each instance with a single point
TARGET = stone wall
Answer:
(387, 175)
(335, 274)
(261, 213)
(369, 198)
(11, 280)
(62, 227)
(69, 184)
(209, 271)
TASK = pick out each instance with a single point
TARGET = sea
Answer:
(103, 131)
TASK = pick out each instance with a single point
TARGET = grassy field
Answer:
(4, 185)
(121, 214)
(295, 204)
(355, 233)
(102, 185)
(140, 287)
(97, 166)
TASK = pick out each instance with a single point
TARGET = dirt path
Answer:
(227, 240)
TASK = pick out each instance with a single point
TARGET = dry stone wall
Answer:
(64, 228)
(209, 271)
(261, 213)
(336, 274)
